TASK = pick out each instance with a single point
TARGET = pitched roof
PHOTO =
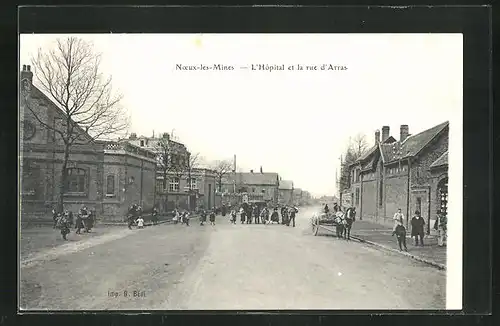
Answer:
(372, 150)
(411, 146)
(286, 185)
(37, 93)
(249, 178)
(415, 143)
(441, 161)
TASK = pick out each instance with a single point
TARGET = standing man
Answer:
(327, 209)
(398, 218)
(417, 228)
(440, 225)
(255, 214)
(223, 210)
(293, 212)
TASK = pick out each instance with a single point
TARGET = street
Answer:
(226, 266)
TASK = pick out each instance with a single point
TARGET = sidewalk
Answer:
(38, 238)
(381, 236)
(40, 235)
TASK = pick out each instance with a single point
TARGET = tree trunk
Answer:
(165, 190)
(64, 177)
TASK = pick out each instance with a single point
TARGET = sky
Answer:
(294, 122)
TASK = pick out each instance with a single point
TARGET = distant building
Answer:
(297, 196)
(105, 176)
(203, 188)
(411, 174)
(262, 185)
(286, 192)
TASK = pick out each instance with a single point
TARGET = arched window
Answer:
(110, 185)
(76, 181)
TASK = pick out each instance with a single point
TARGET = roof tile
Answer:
(441, 161)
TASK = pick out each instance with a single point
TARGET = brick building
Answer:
(264, 183)
(203, 188)
(97, 171)
(129, 177)
(410, 173)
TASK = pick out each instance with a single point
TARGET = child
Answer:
(233, 216)
(212, 217)
(63, 225)
(400, 232)
(203, 217)
(140, 222)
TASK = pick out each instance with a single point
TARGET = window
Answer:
(174, 184)
(142, 143)
(357, 196)
(253, 189)
(418, 206)
(263, 191)
(110, 185)
(192, 184)
(76, 180)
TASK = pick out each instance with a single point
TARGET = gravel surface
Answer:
(227, 267)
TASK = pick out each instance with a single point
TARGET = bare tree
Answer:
(70, 76)
(221, 169)
(358, 146)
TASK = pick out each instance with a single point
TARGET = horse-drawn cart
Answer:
(323, 221)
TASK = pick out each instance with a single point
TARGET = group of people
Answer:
(417, 229)
(64, 220)
(253, 214)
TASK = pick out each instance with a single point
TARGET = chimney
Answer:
(377, 136)
(26, 73)
(234, 163)
(403, 133)
(133, 136)
(385, 133)
(166, 135)
(261, 170)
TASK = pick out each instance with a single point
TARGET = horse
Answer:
(340, 224)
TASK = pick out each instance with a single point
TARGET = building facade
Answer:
(297, 196)
(95, 172)
(176, 195)
(405, 174)
(266, 184)
(286, 192)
